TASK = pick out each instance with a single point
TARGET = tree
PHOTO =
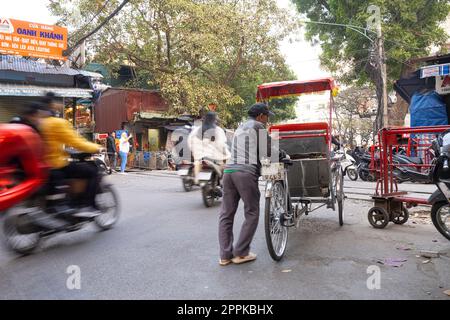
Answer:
(410, 28)
(354, 108)
(195, 52)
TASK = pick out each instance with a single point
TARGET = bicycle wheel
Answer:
(276, 233)
(340, 195)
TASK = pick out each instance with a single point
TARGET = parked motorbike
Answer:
(363, 168)
(102, 164)
(349, 167)
(30, 221)
(186, 171)
(209, 179)
(411, 173)
(440, 175)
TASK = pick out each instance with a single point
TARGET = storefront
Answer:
(427, 92)
(143, 113)
(23, 81)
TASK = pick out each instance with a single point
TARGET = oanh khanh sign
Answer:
(32, 39)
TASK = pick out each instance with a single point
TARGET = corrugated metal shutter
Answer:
(11, 106)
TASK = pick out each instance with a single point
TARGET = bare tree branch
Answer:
(69, 51)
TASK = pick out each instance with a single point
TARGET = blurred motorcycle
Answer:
(31, 220)
(209, 179)
(186, 171)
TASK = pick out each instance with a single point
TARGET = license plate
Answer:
(204, 175)
(183, 172)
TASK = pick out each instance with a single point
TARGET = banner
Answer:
(30, 39)
(443, 85)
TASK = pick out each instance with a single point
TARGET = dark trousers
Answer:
(112, 158)
(236, 186)
(79, 170)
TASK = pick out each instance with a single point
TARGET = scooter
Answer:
(363, 168)
(33, 219)
(440, 175)
(102, 164)
(348, 164)
(411, 173)
(209, 179)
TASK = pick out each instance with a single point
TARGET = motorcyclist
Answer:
(58, 134)
(21, 148)
(208, 141)
(32, 115)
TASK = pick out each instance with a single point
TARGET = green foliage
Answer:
(196, 52)
(409, 27)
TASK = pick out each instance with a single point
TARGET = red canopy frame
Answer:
(283, 89)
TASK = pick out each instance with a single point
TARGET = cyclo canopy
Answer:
(284, 89)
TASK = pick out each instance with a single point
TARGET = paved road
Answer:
(165, 247)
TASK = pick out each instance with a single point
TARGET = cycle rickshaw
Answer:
(311, 177)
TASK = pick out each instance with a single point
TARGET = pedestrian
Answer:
(241, 182)
(111, 150)
(124, 149)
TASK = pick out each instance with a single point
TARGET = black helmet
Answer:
(34, 107)
(49, 98)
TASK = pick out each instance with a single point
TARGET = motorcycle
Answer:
(363, 169)
(349, 167)
(32, 220)
(440, 175)
(186, 171)
(102, 164)
(412, 174)
(209, 179)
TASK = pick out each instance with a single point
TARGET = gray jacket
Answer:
(251, 142)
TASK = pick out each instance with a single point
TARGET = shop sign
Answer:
(31, 39)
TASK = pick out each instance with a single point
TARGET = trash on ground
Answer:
(405, 248)
(429, 254)
(286, 270)
(447, 292)
(392, 262)
(426, 261)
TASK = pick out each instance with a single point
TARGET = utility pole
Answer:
(383, 77)
(378, 65)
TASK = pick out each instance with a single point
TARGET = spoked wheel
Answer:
(378, 217)
(352, 174)
(20, 235)
(440, 215)
(108, 203)
(403, 217)
(340, 195)
(276, 233)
